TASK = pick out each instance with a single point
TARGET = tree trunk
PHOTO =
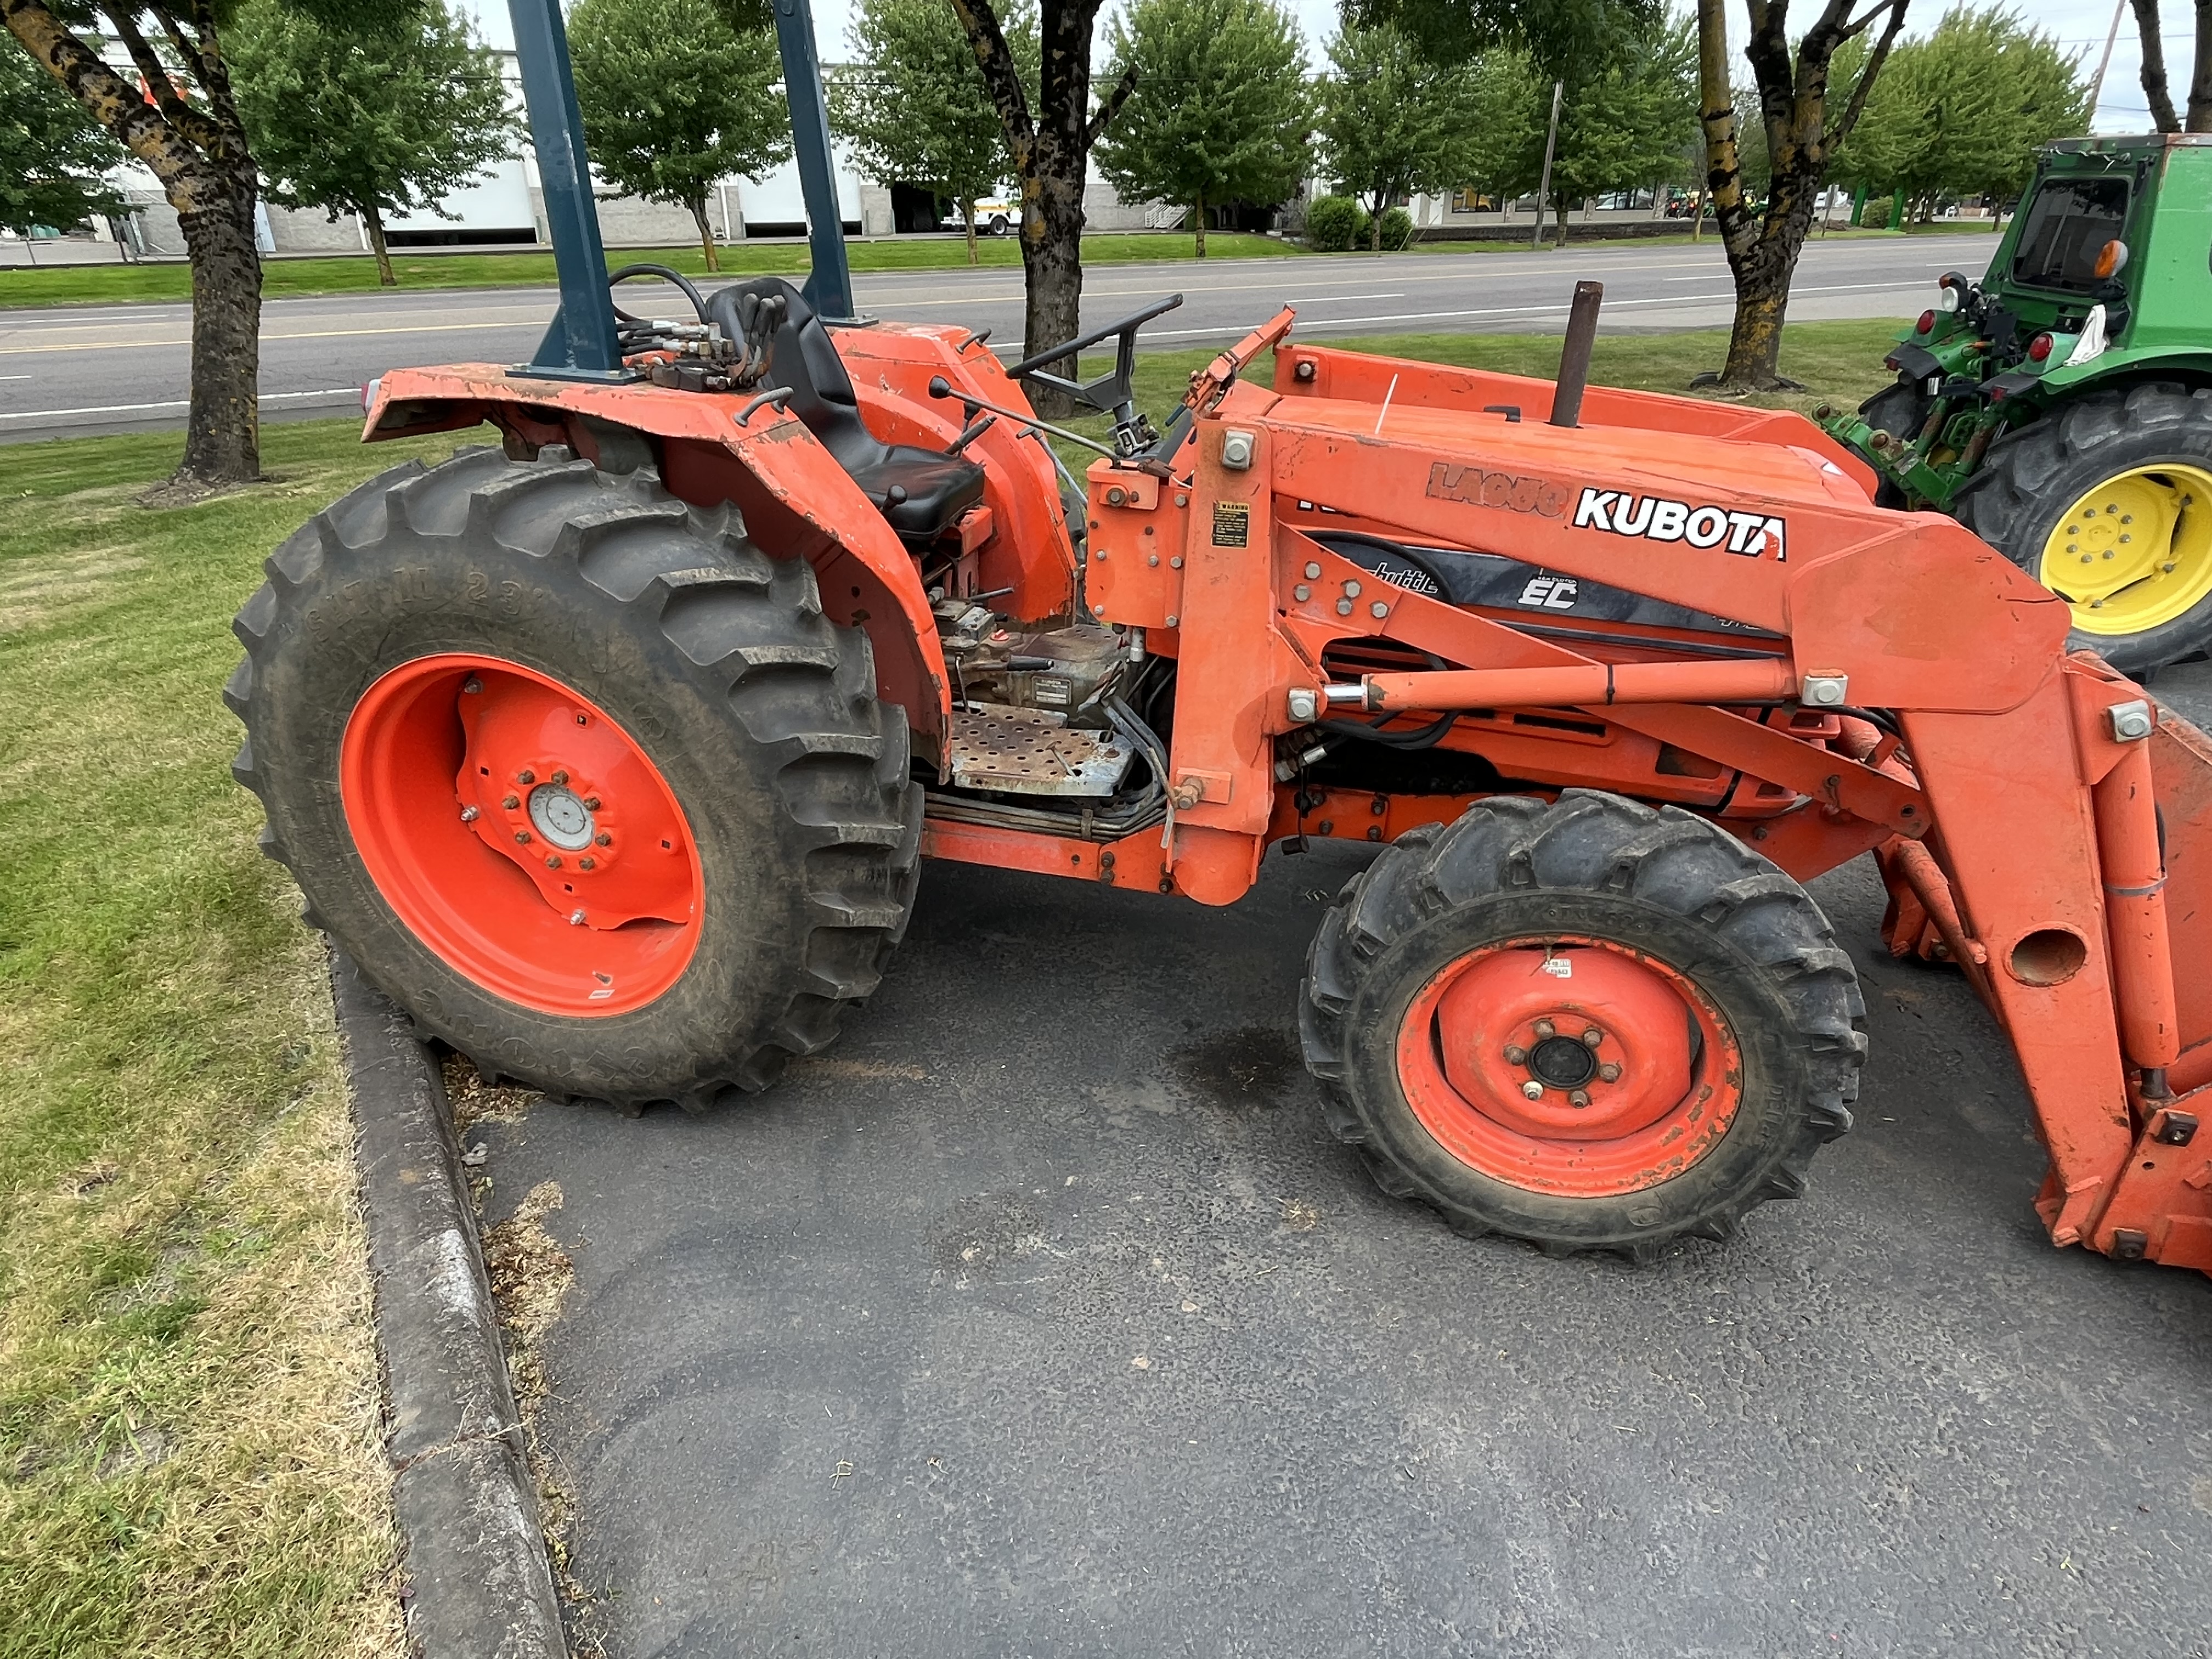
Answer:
(1052, 271)
(372, 222)
(1198, 214)
(2153, 68)
(222, 442)
(2200, 78)
(1755, 341)
(967, 223)
(1562, 199)
(1375, 223)
(706, 233)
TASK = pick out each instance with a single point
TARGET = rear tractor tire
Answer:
(2107, 501)
(1591, 1024)
(578, 776)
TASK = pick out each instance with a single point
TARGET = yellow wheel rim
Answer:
(2136, 552)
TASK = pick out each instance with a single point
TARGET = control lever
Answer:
(758, 319)
(975, 429)
(941, 387)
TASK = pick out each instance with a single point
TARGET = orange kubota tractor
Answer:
(612, 751)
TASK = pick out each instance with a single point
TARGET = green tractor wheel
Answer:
(2107, 501)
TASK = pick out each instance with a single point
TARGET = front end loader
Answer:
(612, 750)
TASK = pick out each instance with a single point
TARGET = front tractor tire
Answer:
(2107, 501)
(578, 776)
(1590, 1024)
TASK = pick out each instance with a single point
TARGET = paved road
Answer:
(126, 368)
(1043, 1317)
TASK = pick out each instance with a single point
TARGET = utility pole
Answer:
(2097, 86)
(1550, 145)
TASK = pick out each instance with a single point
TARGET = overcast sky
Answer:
(2079, 26)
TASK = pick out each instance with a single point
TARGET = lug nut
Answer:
(1609, 1072)
(1579, 1099)
(1592, 1036)
(561, 777)
(603, 839)
(522, 838)
(467, 815)
(552, 860)
(1545, 1029)
(526, 775)
(575, 918)
(1533, 1089)
(511, 802)
(472, 685)
(587, 864)
(1516, 1054)
(591, 802)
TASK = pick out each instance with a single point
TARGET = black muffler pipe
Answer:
(1574, 355)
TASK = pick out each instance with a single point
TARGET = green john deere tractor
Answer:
(2061, 407)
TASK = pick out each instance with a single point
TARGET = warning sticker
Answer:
(1232, 524)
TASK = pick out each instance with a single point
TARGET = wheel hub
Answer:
(521, 835)
(2135, 552)
(563, 794)
(1574, 1066)
(559, 815)
(1563, 1062)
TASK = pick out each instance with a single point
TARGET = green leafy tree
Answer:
(1393, 120)
(54, 157)
(914, 105)
(1963, 111)
(1626, 119)
(1556, 35)
(407, 109)
(675, 99)
(1221, 111)
(1625, 122)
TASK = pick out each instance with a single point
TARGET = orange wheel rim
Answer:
(521, 835)
(1572, 1067)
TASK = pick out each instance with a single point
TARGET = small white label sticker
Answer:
(1559, 967)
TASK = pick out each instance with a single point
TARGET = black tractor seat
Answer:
(920, 491)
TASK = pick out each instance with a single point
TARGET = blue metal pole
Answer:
(830, 289)
(581, 345)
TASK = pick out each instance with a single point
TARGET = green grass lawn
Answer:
(188, 1462)
(189, 1453)
(284, 278)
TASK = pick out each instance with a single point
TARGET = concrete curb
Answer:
(474, 1556)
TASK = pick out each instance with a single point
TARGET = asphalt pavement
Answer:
(1042, 1315)
(79, 370)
